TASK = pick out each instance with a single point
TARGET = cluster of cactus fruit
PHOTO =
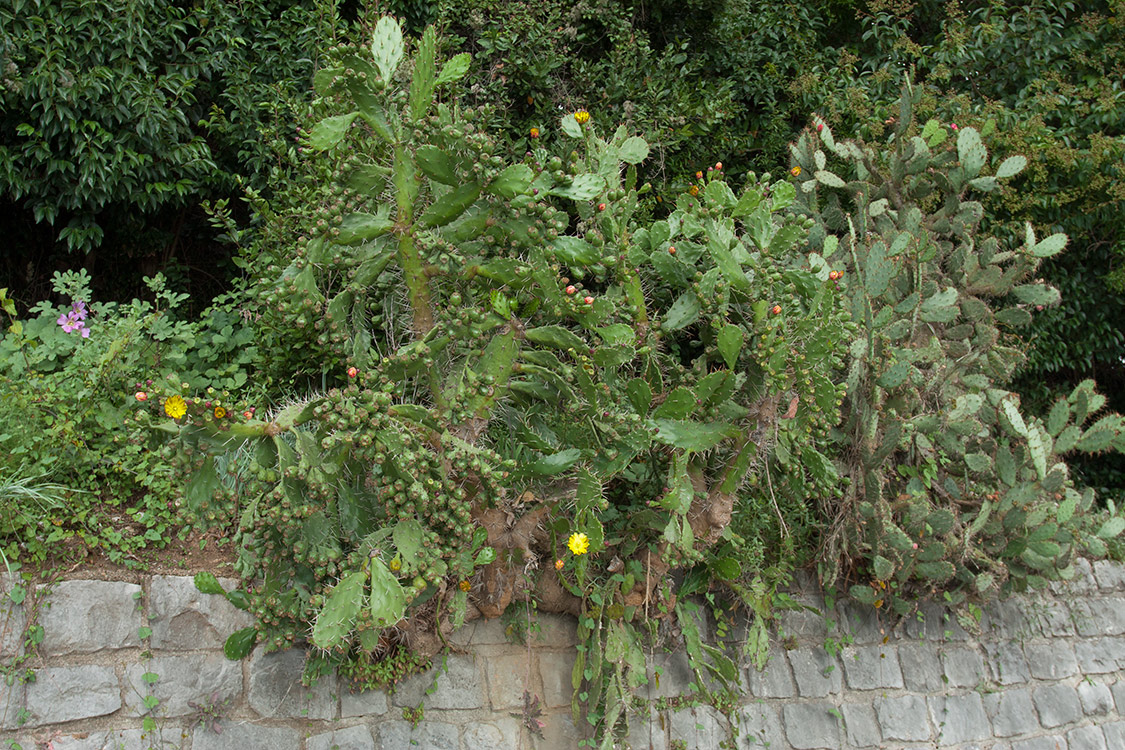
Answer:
(509, 355)
(952, 487)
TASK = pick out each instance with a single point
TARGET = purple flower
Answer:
(72, 321)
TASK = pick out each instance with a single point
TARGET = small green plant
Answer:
(209, 711)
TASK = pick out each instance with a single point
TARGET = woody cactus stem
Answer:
(413, 269)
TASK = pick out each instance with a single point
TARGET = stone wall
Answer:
(1043, 673)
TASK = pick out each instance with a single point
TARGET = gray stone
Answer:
(1041, 743)
(647, 732)
(1095, 698)
(1083, 581)
(244, 736)
(1114, 734)
(959, 718)
(117, 739)
(1109, 575)
(904, 718)
(352, 738)
(1007, 663)
(183, 679)
(1118, 690)
(480, 633)
(1057, 705)
(1085, 738)
(559, 734)
(964, 667)
(1099, 655)
(489, 736)
(1049, 618)
(554, 671)
(860, 621)
(557, 631)
(871, 667)
(182, 617)
(367, 703)
(86, 616)
(1007, 618)
(432, 735)
(1011, 712)
(934, 622)
(817, 672)
(860, 725)
(458, 685)
(921, 668)
(1052, 660)
(13, 617)
(1099, 616)
(811, 726)
(759, 726)
(774, 681)
(276, 690)
(698, 726)
(509, 675)
(13, 699)
(65, 693)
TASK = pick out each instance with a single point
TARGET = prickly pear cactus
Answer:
(952, 487)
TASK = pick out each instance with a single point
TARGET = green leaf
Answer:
(570, 126)
(825, 177)
(388, 599)
(387, 47)
(633, 151)
(582, 188)
(730, 341)
(575, 251)
(692, 436)
(407, 535)
(783, 194)
(451, 205)
(941, 307)
(970, 151)
(683, 312)
(338, 614)
(330, 131)
(556, 337)
(208, 584)
(555, 463)
(640, 395)
(883, 567)
(1112, 528)
(455, 67)
(678, 405)
(359, 227)
(239, 643)
(1049, 246)
(437, 165)
(1011, 167)
(512, 181)
(425, 76)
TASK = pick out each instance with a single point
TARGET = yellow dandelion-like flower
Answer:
(220, 412)
(795, 171)
(396, 564)
(582, 117)
(465, 585)
(578, 543)
(175, 407)
(535, 132)
(694, 190)
(559, 564)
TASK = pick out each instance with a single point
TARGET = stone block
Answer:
(872, 667)
(485, 736)
(1011, 711)
(480, 632)
(182, 617)
(13, 699)
(1007, 618)
(87, 616)
(934, 622)
(1041, 743)
(559, 734)
(1051, 660)
(759, 726)
(862, 622)
(1118, 690)
(276, 690)
(557, 631)
(244, 736)
(509, 676)
(1049, 618)
(1086, 738)
(648, 732)
(458, 685)
(921, 667)
(1114, 734)
(13, 618)
(698, 726)
(959, 718)
(904, 718)
(1095, 698)
(1100, 655)
(117, 739)
(432, 735)
(352, 738)
(555, 669)
(774, 681)
(1109, 575)
(1083, 581)
(860, 725)
(66, 693)
(802, 623)
(1057, 705)
(964, 667)
(816, 672)
(1007, 663)
(183, 679)
(367, 703)
(811, 726)
(1099, 616)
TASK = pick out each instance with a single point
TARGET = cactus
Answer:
(935, 433)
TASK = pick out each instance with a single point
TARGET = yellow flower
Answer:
(220, 412)
(175, 407)
(694, 190)
(578, 543)
(559, 564)
(465, 585)
(582, 117)
(795, 171)
(535, 132)
(396, 564)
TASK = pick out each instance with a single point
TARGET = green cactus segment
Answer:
(387, 46)
(425, 75)
(330, 131)
(388, 598)
(336, 618)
